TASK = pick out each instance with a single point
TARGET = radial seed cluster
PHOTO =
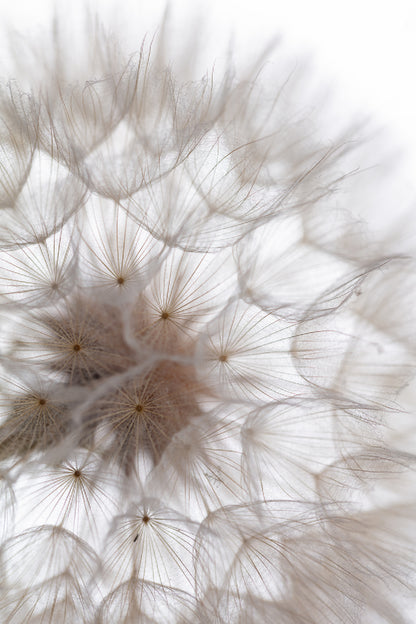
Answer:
(200, 353)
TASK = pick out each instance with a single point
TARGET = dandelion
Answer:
(201, 357)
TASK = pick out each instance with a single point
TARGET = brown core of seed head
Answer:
(139, 408)
(77, 473)
(223, 358)
(120, 280)
(42, 401)
(164, 316)
(76, 347)
(145, 519)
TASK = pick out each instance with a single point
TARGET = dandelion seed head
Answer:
(193, 399)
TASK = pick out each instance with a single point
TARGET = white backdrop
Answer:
(366, 49)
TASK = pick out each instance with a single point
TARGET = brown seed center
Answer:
(120, 280)
(139, 408)
(77, 473)
(76, 347)
(42, 401)
(223, 357)
(145, 519)
(164, 315)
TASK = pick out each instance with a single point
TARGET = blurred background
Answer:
(354, 62)
(364, 51)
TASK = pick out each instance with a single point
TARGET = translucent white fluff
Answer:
(201, 355)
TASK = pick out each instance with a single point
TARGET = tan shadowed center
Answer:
(142, 412)
(120, 280)
(77, 473)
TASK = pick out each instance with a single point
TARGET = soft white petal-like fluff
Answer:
(201, 354)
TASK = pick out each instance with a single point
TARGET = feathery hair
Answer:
(200, 356)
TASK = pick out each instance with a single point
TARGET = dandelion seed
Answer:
(31, 420)
(41, 273)
(163, 542)
(143, 415)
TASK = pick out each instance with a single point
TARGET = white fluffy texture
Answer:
(201, 357)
